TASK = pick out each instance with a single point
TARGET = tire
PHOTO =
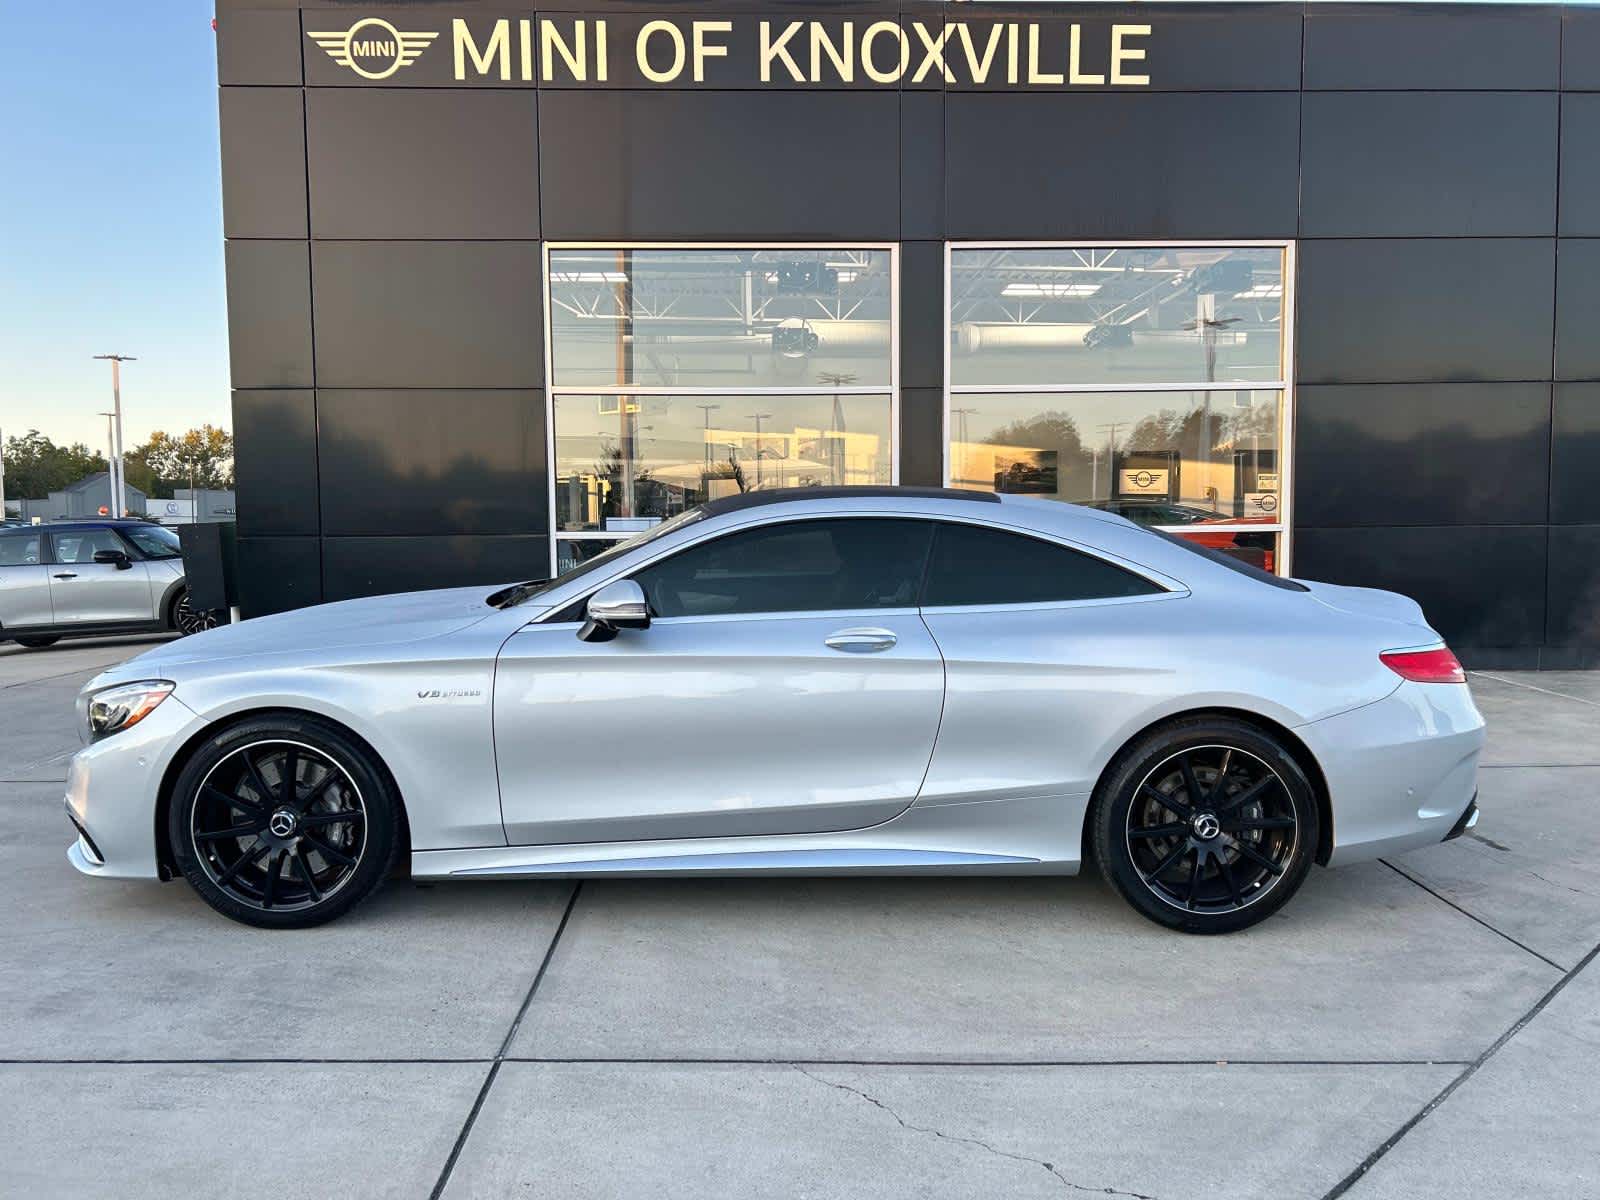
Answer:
(188, 620)
(258, 855)
(39, 642)
(1216, 866)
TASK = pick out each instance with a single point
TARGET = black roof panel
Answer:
(715, 508)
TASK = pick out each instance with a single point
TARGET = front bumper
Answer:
(112, 788)
(1402, 772)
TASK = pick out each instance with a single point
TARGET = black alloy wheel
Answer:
(1207, 826)
(283, 822)
(187, 619)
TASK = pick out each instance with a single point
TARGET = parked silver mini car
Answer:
(819, 681)
(77, 578)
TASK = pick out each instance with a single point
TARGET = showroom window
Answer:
(1148, 380)
(680, 374)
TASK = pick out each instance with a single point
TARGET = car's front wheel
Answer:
(187, 619)
(39, 642)
(283, 822)
(1207, 825)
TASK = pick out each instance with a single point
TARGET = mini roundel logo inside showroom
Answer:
(372, 48)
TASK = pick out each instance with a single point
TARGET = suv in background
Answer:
(79, 578)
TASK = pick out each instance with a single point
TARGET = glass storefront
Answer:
(683, 374)
(1147, 380)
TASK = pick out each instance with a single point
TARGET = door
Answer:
(1048, 650)
(24, 579)
(84, 592)
(786, 684)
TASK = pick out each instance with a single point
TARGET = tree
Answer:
(36, 466)
(167, 462)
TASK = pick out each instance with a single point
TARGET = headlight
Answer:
(127, 704)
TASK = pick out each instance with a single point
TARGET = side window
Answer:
(79, 545)
(795, 566)
(972, 565)
(20, 550)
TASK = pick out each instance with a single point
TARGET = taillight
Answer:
(1425, 666)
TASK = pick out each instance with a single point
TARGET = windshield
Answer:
(527, 591)
(154, 541)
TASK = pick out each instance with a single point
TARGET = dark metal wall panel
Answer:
(1578, 309)
(1574, 589)
(1418, 47)
(922, 314)
(1580, 165)
(922, 437)
(1397, 164)
(1210, 165)
(1442, 568)
(275, 461)
(1211, 47)
(922, 172)
(718, 165)
(263, 162)
(1575, 455)
(269, 313)
(432, 462)
(1422, 454)
(258, 47)
(392, 163)
(1430, 310)
(1580, 48)
(370, 566)
(277, 574)
(428, 314)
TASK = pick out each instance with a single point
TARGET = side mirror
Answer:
(115, 557)
(617, 606)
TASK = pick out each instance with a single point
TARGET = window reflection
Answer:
(1259, 549)
(1161, 458)
(721, 318)
(1116, 316)
(626, 461)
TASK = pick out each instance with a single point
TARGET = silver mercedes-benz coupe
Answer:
(820, 681)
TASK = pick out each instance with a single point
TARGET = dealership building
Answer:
(1315, 284)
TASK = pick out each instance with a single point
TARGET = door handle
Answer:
(67, 575)
(861, 641)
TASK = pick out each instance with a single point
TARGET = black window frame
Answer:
(573, 611)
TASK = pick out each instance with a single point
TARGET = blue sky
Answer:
(110, 218)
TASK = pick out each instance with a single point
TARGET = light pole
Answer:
(758, 418)
(708, 409)
(111, 452)
(118, 489)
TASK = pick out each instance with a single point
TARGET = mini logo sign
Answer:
(372, 48)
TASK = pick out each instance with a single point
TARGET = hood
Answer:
(1371, 602)
(373, 621)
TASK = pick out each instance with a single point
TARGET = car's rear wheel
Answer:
(38, 643)
(187, 619)
(283, 822)
(1207, 825)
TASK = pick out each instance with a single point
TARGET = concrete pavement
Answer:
(815, 1037)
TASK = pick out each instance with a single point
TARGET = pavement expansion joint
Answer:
(1449, 1089)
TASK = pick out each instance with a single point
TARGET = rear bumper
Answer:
(1466, 821)
(1402, 772)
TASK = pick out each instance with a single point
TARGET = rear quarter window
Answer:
(973, 565)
